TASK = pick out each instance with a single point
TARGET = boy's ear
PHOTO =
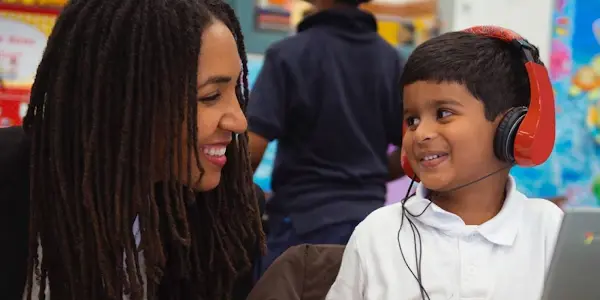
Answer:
(499, 118)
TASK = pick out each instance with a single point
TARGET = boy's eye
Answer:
(442, 113)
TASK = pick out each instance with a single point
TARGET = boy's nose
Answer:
(425, 133)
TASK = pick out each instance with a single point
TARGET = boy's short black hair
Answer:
(492, 70)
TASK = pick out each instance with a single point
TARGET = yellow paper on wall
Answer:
(297, 13)
(390, 31)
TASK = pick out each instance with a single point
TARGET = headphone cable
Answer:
(417, 238)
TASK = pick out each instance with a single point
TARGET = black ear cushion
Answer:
(506, 133)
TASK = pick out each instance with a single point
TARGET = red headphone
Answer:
(525, 135)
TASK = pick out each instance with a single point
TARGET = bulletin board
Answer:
(273, 15)
(24, 30)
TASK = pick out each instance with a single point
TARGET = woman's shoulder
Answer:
(14, 215)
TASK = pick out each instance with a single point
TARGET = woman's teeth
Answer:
(214, 151)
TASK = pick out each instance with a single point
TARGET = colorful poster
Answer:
(24, 31)
(273, 15)
(573, 170)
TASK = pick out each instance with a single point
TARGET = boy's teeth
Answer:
(215, 151)
(430, 157)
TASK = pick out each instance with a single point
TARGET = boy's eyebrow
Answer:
(451, 102)
(438, 102)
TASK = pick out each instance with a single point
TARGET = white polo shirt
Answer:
(505, 258)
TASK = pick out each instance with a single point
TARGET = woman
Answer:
(140, 185)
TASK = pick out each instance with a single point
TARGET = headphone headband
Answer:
(496, 32)
(508, 36)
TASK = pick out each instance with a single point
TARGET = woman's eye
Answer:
(210, 98)
(411, 121)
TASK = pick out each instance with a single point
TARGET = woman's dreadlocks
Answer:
(116, 82)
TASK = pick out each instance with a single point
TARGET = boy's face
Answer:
(449, 142)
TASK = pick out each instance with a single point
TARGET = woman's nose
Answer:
(234, 119)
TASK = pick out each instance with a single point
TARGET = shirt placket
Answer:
(474, 279)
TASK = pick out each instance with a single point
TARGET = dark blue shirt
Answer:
(330, 95)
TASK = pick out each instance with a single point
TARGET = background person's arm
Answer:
(258, 145)
(266, 108)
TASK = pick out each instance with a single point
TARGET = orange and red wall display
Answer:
(24, 29)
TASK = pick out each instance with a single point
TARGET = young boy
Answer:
(330, 96)
(468, 233)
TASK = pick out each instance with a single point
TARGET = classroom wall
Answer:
(530, 18)
(573, 171)
(257, 41)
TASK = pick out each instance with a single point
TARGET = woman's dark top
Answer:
(14, 218)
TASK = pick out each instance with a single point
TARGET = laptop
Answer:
(574, 272)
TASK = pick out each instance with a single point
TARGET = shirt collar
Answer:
(501, 229)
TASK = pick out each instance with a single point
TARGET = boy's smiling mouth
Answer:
(432, 160)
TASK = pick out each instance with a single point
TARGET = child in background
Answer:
(329, 95)
(467, 233)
